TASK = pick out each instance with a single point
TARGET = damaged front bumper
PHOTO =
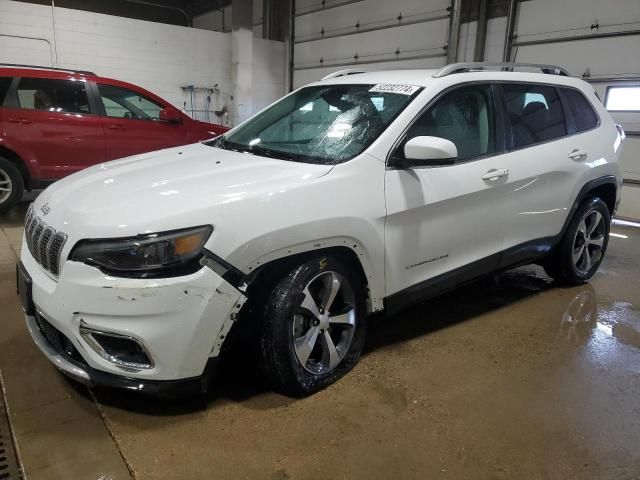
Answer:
(180, 323)
(81, 372)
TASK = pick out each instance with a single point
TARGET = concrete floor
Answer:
(511, 377)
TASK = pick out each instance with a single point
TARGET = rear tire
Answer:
(583, 246)
(313, 326)
(11, 185)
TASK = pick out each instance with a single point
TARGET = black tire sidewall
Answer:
(564, 264)
(17, 185)
(277, 347)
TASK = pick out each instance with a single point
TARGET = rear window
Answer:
(534, 112)
(4, 87)
(584, 117)
(53, 95)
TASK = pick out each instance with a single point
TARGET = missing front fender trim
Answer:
(228, 272)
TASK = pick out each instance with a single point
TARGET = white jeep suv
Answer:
(363, 192)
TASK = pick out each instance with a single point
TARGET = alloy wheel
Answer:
(324, 323)
(588, 241)
(6, 186)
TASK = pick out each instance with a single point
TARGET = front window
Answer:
(325, 124)
(123, 103)
(463, 116)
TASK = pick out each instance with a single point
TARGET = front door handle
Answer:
(116, 127)
(577, 154)
(495, 174)
(23, 121)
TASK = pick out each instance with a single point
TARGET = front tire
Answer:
(11, 185)
(313, 327)
(583, 245)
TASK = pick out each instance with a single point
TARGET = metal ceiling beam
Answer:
(454, 30)
(292, 41)
(512, 15)
(481, 31)
(575, 38)
(163, 5)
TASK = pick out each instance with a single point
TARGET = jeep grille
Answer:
(44, 243)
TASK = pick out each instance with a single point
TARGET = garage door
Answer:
(333, 35)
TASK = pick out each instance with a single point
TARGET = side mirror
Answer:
(428, 151)
(170, 115)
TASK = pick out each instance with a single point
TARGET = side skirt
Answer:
(522, 254)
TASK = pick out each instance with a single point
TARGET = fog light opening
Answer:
(123, 351)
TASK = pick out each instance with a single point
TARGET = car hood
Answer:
(166, 190)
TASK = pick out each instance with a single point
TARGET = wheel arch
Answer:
(17, 160)
(604, 187)
(607, 191)
(268, 272)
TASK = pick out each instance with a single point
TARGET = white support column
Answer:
(242, 59)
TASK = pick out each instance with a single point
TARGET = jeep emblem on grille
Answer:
(45, 209)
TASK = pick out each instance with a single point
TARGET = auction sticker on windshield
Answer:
(395, 88)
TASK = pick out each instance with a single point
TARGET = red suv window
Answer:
(5, 82)
(123, 103)
(53, 95)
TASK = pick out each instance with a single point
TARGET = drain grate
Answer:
(8, 462)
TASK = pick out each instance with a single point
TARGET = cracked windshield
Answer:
(324, 124)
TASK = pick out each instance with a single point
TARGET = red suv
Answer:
(54, 122)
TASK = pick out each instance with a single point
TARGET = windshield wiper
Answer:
(267, 152)
(225, 144)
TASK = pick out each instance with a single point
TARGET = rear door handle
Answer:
(116, 127)
(495, 173)
(577, 154)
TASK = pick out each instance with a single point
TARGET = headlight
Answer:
(158, 254)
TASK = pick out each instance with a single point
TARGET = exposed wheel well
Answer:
(277, 268)
(14, 158)
(607, 192)
(262, 281)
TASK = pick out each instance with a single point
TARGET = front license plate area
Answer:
(24, 286)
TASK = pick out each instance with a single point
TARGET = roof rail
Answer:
(40, 67)
(504, 66)
(343, 73)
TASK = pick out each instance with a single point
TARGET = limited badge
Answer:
(395, 88)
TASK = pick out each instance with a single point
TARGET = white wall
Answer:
(494, 42)
(630, 204)
(412, 39)
(158, 57)
(269, 72)
(467, 41)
